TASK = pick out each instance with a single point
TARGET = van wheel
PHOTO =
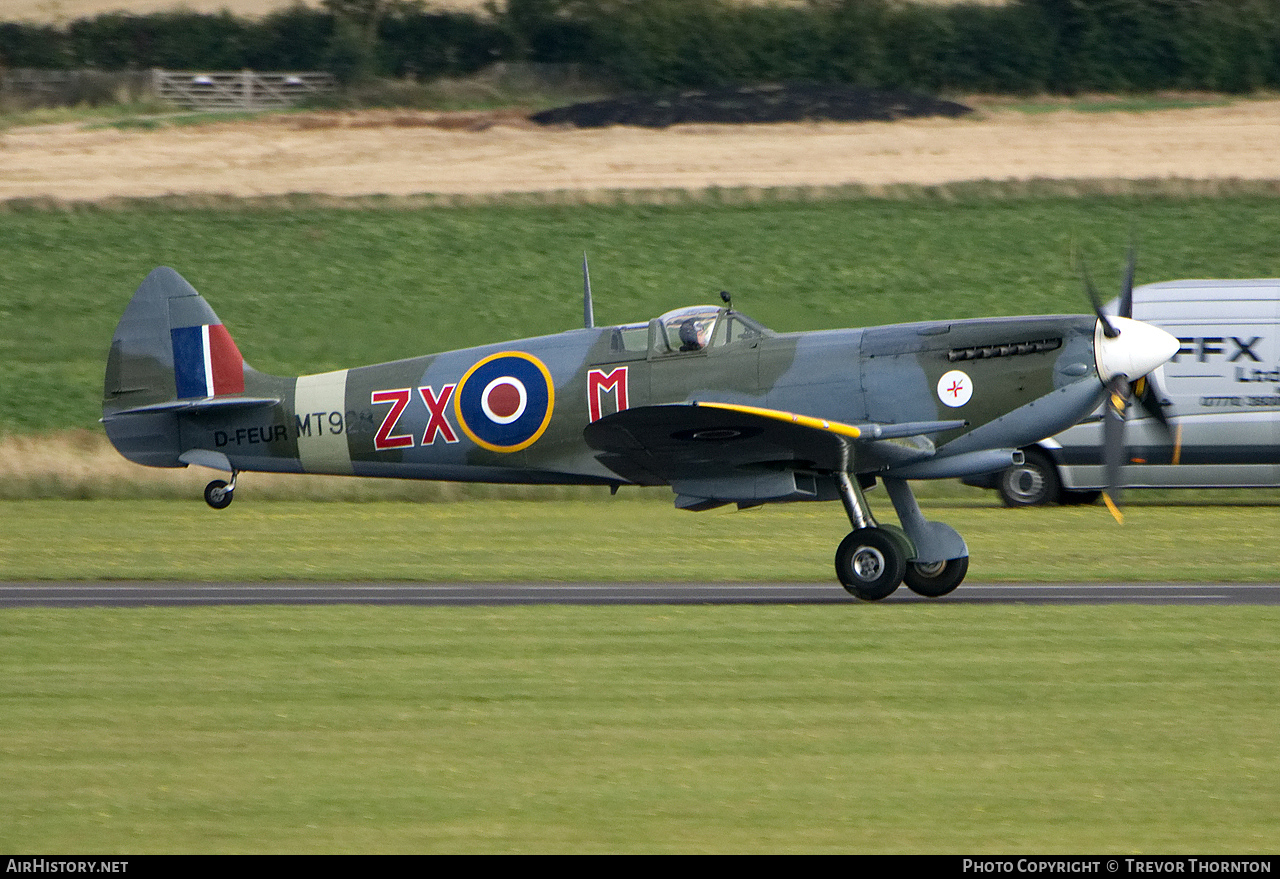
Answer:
(1031, 483)
(1080, 498)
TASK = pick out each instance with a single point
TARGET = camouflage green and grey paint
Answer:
(1010, 381)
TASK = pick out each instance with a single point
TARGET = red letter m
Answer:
(600, 383)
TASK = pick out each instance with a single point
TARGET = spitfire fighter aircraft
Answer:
(703, 399)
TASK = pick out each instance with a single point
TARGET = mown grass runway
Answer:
(655, 729)
(592, 539)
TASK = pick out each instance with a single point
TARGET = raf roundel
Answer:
(955, 388)
(504, 402)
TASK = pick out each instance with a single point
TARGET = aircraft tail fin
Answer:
(169, 352)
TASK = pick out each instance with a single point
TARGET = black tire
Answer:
(935, 580)
(1079, 498)
(217, 496)
(1032, 483)
(870, 564)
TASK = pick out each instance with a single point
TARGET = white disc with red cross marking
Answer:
(955, 388)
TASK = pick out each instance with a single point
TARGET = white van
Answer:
(1223, 391)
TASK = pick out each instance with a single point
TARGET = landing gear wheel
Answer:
(1031, 483)
(936, 579)
(870, 564)
(218, 495)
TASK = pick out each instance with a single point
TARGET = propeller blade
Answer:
(1146, 393)
(1126, 291)
(1107, 327)
(1113, 441)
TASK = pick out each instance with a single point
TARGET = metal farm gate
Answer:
(246, 90)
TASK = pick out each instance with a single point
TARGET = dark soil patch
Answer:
(794, 102)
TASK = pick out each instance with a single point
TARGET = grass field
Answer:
(937, 729)
(594, 537)
(306, 288)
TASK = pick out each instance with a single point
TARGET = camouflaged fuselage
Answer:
(517, 411)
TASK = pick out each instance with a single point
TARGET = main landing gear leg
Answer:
(871, 561)
(218, 494)
(941, 558)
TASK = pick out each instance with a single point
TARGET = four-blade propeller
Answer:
(1128, 353)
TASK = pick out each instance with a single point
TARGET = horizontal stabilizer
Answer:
(203, 404)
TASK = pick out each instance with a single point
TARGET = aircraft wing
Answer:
(657, 445)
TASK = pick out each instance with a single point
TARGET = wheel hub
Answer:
(1026, 482)
(930, 569)
(868, 563)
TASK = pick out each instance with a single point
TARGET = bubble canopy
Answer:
(698, 327)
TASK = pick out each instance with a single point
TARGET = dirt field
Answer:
(404, 153)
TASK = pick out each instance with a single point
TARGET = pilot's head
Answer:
(690, 336)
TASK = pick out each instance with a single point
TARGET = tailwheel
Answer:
(218, 494)
(935, 579)
(870, 564)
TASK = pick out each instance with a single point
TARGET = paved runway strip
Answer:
(499, 594)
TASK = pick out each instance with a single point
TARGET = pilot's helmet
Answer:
(690, 335)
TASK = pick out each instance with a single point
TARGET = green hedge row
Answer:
(408, 42)
(1024, 46)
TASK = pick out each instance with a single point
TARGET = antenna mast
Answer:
(588, 313)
